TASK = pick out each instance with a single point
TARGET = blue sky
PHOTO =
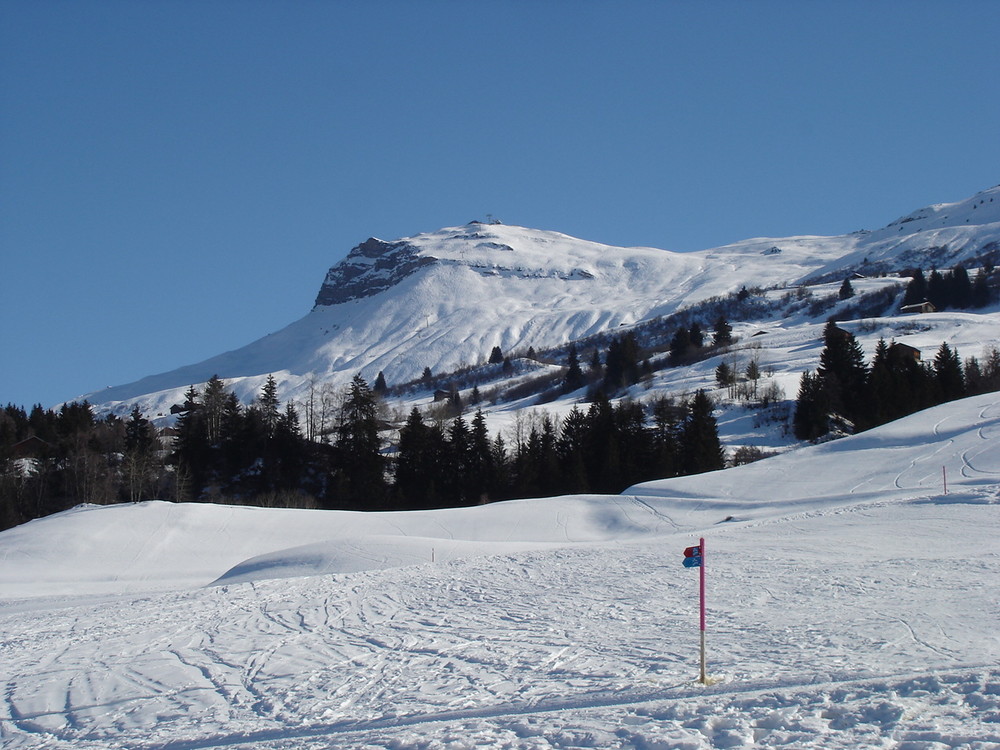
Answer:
(176, 177)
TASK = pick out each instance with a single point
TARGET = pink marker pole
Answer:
(701, 577)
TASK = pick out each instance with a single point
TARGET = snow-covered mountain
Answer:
(446, 298)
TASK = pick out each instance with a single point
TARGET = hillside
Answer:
(444, 299)
(851, 603)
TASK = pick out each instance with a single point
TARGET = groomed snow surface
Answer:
(852, 603)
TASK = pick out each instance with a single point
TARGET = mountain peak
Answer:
(446, 298)
(377, 265)
(371, 267)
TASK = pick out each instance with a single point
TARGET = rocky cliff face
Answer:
(371, 267)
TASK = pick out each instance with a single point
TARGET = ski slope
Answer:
(851, 604)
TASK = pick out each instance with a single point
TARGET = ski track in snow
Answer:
(527, 649)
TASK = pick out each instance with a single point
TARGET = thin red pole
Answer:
(701, 577)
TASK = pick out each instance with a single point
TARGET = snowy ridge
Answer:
(852, 604)
(446, 298)
(982, 208)
(937, 236)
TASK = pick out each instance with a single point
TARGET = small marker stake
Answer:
(944, 476)
(694, 557)
(701, 587)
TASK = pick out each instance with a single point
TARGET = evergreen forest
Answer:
(846, 395)
(222, 451)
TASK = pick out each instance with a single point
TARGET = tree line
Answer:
(220, 450)
(604, 449)
(846, 394)
(952, 289)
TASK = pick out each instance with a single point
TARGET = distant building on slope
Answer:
(921, 307)
(904, 351)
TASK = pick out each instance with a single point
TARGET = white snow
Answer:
(852, 603)
(513, 287)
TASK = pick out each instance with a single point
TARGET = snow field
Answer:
(819, 640)
(851, 604)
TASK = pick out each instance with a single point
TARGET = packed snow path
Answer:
(863, 621)
(815, 635)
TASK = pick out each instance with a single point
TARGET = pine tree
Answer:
(846, 290)
(973, 376)
(723, 375)
(981, 295)
(991, 369)
(574, 374)
(500, 460)
(526, 465)
(696, 335)
(288, 452)
(416, 463)
(667, 420)
(496, 356)
(811, 409)
(234, 454)
(596, 368)
(752, 373)
(622, 362)
(722, 333)
(916, 289)
(138, 432)
(43, 424)
(550, 471)
(456, 478)
(636, 443)
(361, 477)
(843, 373)
(139, 460)
(937, 290)
(680, 344)
(948, 377)
(571, 449)
(603, 455)
(269, 405)
(880, 384)
(214, 404)
(481, 474)
(191, 447)
(960, 288)
(380, 388)
(455, 405)
(701, 449)
(911, 385)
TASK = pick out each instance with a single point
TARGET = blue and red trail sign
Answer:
(692, 557)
